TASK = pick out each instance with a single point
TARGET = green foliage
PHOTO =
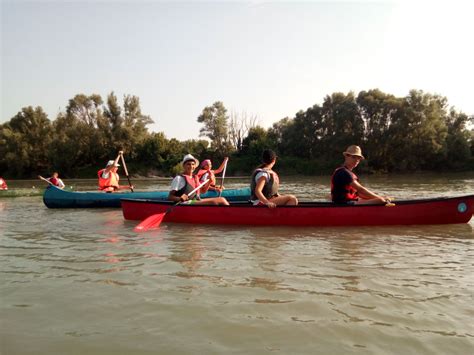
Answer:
(416, 132)
(24, 142)
(458, 140)
(215, 122)
(257, 140)
(342, 124)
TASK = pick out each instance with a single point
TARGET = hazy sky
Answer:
(264, 58)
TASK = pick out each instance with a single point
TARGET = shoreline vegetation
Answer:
(411, 134)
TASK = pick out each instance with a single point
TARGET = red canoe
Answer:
(405, 212)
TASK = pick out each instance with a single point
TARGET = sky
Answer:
(263, 59)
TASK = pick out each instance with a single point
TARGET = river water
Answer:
(82, 282)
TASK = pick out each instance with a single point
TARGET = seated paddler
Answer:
(206, 172)
(345, 185)
(183, 184)
(56, 181)
(3, 184)
(265, 182)
(109, 178)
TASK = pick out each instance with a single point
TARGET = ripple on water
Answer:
(202, 289)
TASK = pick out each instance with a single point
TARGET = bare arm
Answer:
(172, 197)
(221, 167)
(120, 153)
(364, 192)
(259, 194)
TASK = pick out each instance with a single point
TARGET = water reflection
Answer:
(188, 250)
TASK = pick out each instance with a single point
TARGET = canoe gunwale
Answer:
(440, 210)
(307, 204)
(57, 198)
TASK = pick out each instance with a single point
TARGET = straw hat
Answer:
(189, 157)
(354, 150)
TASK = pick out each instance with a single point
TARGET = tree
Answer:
(377, 110)
(91, 134)
(128, 126)
(215, 122)
(239, 126)
(306, 133)
(418, 133)
(458, 145)
(277, 134)
(341, 124)
(257, 141)
(24, 142)
(86, 108)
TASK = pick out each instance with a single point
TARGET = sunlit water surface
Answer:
(82, 282)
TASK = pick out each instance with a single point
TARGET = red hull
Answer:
(408, 212)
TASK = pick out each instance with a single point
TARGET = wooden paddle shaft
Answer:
(223, 176)
(126, 172)
(49, 182)
(197, 188)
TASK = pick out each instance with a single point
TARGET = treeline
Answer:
(412, 133)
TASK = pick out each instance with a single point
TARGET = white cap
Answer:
(111, 162)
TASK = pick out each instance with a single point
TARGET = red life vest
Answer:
(191, 183)
(3, 184)
(349, 193)
(54, 181)
(211, 176)
(111, 183)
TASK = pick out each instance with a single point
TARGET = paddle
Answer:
(126, 172)
(223, 175)
(49, 182)
(155, 220)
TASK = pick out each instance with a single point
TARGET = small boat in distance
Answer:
(443, 210)
(57, 198)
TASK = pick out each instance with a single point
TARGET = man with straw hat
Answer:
(345, 185)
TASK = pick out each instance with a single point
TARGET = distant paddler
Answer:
(54, 180)
(3, 184)
(109, 178)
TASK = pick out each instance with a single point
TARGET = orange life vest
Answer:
(211, 176)
(111, 183)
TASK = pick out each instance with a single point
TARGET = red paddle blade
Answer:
(153, 221)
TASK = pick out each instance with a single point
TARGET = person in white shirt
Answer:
(183, 184)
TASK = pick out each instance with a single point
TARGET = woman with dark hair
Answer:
(265, 182)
